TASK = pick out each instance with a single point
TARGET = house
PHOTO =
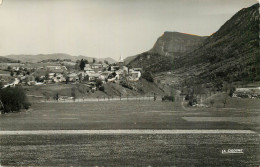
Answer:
(16, 82)
(120, 74)
(88, 68)
(92, 76)
(104, 65)
(137, 69)
(59, 78)
(73, 77)
(51, 75)
(134, 75)
(96, 67)
(105, 74)
(114, 68)
(56, 69)
(125, 69)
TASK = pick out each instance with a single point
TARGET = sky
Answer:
(105, 28)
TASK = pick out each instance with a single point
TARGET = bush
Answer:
(102, 88)
(148, 76)
(125, 84)
(167, 98)
(13, 99)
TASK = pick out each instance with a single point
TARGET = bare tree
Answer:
(225, 100)
(212, 102)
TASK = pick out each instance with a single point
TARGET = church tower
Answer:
(121, 62)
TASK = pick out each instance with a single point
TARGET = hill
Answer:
(170, 45)
(54, 56)
(174, 43)
(230, 54)
(7, 60)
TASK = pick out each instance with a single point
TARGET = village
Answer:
(93, 73)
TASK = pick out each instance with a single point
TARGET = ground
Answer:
(44, 92)
(179, 149)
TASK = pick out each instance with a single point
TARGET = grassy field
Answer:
(126, 115)
(125, 149)
(129, 150)
(235, 103)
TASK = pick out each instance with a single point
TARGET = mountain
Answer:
(171, 43)
(168, 46)
(41, 57)
(129, 59)
(7, 60)
(231, 54)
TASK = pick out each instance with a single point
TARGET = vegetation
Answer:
(13, 99)
(82, 64)
(148, 76)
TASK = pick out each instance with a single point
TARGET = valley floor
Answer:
(199, 135)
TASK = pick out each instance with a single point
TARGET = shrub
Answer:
(148, 76)
(102, 88)
(167, 98)
(13, 99)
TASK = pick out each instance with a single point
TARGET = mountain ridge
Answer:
(41, 57)
(231, 53)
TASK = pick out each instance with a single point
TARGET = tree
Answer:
(82, 64)
(224, 99)
(102, 88)
(13, 99)
(56, 96)
(18, 72)
(106, 62)
(86, 61)
(73, 93)
(12, 73)
(1, 85)
(47, 76)
(232, 89)
(37, 79)
(98, 83)
(109, 68)
(212, 102)
(67, 80)
(94, 60)
(148, 76)
(80, 77)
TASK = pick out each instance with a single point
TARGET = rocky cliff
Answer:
(175, 42)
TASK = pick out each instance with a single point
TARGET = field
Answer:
(191, 144)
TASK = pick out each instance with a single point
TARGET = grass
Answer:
(236, 103)
(124, 150)
(129, 150)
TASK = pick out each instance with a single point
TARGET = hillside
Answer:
(170, 44)
(231, 54)
(40, 57)
(152, 62)
(7, 60)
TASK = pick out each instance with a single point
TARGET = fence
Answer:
(99, 99)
